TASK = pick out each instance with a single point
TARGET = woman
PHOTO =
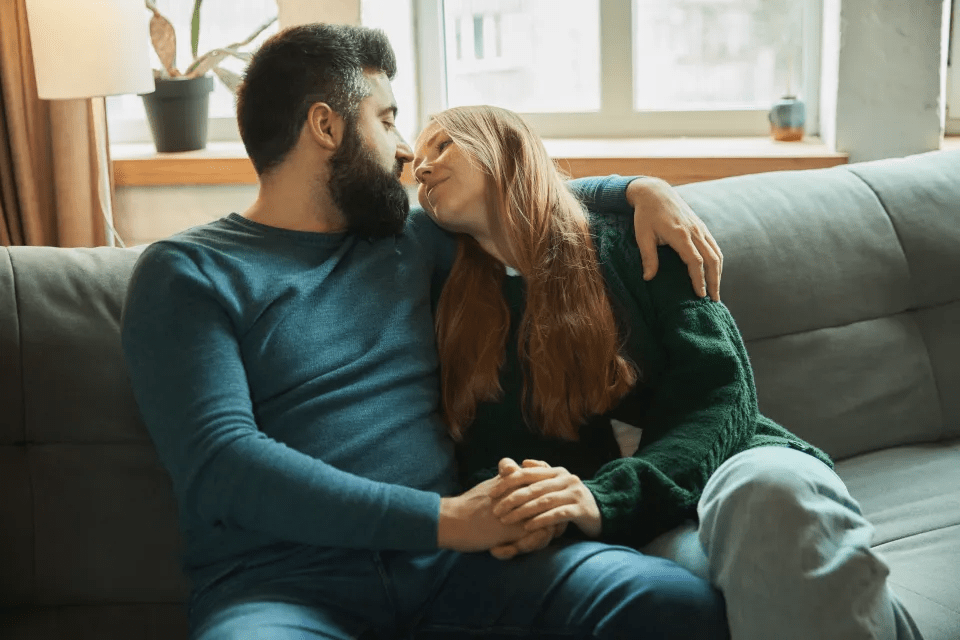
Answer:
(631, 403)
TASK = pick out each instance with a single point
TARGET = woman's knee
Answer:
(778, 499)
(776, 478)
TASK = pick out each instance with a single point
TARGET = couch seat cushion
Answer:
(912, 496)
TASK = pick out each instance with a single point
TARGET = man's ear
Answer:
(325, 126)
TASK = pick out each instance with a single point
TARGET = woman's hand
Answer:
(662, 217)
(534, 540)
(540, 496)
(467, 523)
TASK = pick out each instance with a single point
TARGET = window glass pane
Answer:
(526, 55)
(396, 20)
(716, 54)
(222, 22)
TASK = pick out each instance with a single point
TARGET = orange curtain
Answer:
(48, 152)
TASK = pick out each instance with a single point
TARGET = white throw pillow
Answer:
(628, 437)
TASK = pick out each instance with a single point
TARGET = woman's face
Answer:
(452, 189)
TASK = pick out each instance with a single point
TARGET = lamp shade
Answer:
(89, 48)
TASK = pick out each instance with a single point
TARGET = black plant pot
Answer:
(178, 111)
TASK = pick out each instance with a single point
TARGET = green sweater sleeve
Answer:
(700, 404)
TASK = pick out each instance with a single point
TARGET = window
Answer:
(227, 21)
(575, 68)
(396, 19)
(223, 22)
(583, 68)
(517, 55)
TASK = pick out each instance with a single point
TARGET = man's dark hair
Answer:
(298, 67)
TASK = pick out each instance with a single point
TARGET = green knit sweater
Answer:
(696, 401)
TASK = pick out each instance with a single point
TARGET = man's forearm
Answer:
(605, 196)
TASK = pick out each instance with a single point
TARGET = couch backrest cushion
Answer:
(926, 216)
(844, 284)
(88, 513)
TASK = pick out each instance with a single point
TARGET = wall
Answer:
(294, 12)
(164, 211)
(146, 214)
(883, 76)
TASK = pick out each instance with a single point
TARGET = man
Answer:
(284, 362)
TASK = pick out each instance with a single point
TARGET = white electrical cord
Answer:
(100, 134)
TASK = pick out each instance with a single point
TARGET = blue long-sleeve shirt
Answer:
(289, 382)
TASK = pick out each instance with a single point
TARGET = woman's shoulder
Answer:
(620, 258)
(437, 242)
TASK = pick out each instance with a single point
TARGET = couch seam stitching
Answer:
(848, 324)
(886, 211)
(879, 547)
(925, 597)
(23, 417)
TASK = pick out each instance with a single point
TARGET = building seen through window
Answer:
(544, 55)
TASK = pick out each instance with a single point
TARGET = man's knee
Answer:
(276, 620)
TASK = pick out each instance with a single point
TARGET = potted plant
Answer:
(178, 109)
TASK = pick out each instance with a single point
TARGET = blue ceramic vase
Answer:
(787, 118)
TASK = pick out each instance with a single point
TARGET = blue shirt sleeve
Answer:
(440, 244)
(605, 196)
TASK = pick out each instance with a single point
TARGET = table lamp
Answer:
(91, 49)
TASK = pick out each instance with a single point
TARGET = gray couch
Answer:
(846, 286)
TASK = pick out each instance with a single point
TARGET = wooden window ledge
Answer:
(676, 160)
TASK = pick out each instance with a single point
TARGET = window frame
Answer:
(617, 117)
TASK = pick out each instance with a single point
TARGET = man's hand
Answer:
(467, 522)
(662, 217)
(533, 541)
(540, 496)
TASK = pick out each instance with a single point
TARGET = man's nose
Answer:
(404, 152)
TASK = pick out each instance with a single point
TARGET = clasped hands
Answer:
(520, 510)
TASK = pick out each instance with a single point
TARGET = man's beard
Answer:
(372, 200)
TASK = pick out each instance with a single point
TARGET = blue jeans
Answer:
(570, 590)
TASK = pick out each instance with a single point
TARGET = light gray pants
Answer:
(783, 540)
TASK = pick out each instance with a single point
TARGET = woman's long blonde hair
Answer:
(568, 341)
